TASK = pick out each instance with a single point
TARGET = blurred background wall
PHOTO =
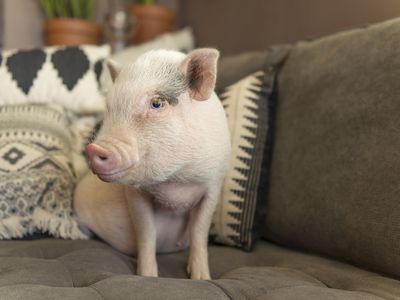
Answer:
(275, 21)
(23, 21)
(1, 24)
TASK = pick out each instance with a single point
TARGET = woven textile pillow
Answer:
(249, 107)
(65, 75)
(36, 174)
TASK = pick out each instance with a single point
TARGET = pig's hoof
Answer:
(198, 271)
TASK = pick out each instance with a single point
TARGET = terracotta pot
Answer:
(71, 32)
(151, 21)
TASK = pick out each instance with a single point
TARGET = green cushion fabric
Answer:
(335, 172)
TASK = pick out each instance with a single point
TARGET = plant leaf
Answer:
(80, 9)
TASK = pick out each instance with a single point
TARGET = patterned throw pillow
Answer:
(64, 75)
(249, 106)
(36, 174)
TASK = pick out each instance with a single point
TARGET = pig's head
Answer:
(149, 129)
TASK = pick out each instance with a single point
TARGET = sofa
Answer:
(328, 224)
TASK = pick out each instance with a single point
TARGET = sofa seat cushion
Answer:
(64, 269)
(281, 283)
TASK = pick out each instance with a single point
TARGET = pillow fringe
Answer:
(56, 226)
(15, 227)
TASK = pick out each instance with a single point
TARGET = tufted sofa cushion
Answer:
(61, 269)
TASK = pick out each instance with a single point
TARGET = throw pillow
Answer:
(65, 75)
(36, 174)
(249, 106)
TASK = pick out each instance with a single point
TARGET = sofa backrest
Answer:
(335, 178)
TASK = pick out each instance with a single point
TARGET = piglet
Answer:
(159, 159)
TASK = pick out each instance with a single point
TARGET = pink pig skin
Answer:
(159, 160)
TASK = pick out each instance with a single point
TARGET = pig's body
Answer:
(173, 199)
(112, 221)
(167, 160)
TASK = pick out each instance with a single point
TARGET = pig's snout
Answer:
(101, 160)
(110, 164)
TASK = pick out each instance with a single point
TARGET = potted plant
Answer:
(69, 22)
(152, 19)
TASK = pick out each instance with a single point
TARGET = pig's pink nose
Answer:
(101, 160)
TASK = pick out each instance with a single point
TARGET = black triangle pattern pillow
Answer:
(249, 106)
(64, 75)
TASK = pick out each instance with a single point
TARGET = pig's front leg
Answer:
(200, 221)
(142, 216)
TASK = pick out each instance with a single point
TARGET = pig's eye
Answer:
(157, 103)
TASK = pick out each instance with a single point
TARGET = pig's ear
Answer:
(200, 69)
(114, 68)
